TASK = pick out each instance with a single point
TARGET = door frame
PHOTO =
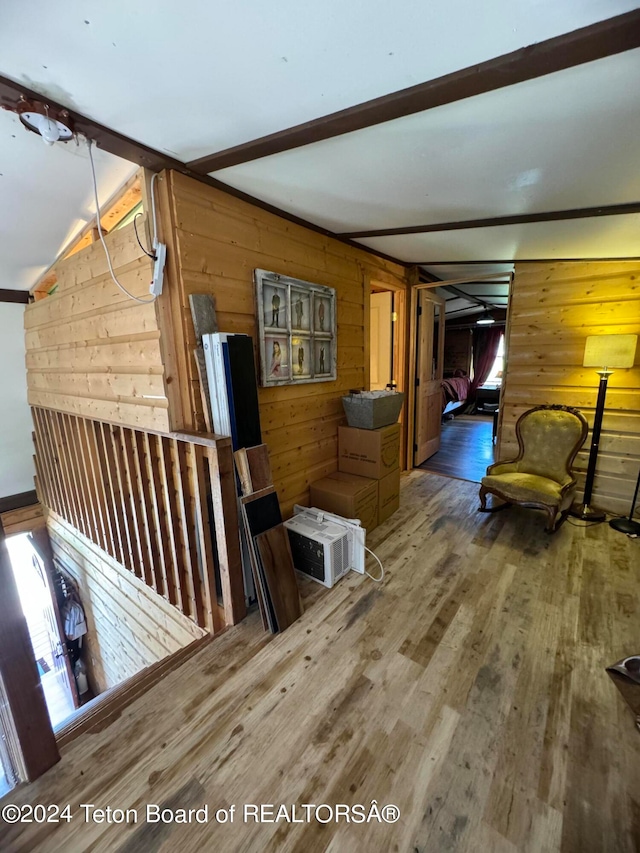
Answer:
(400, 290)
(415, 286)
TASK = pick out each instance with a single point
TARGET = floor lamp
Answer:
(603, 352)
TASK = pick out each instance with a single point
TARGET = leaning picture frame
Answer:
(297, 330)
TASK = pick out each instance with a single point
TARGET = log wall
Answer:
(90, 349)
(554, 307)
(216, 242)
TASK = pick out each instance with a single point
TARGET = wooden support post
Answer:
(154, 579)
(208, 603)
(124, 495)
(186, 520)
(152, 458)
(89, 465)
(142, 496)
(173, 524)
(133, 489)
(225, 511)
(117, 551)
(20, 678)
(51, 496)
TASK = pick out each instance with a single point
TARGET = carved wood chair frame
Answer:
(553, 522)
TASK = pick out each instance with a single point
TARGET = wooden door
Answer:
(381, 340)
(428, 379)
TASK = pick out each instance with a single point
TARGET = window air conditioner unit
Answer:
(325, 546)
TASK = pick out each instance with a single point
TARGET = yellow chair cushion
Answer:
(548, 436)
(525, 487)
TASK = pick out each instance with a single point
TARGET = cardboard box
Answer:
(349, 496)
(369, 452)
(388, 495)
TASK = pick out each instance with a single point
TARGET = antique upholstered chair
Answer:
(549, 438)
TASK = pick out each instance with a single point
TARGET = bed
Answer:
(454, 392)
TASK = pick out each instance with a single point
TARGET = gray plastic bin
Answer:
(372, 412)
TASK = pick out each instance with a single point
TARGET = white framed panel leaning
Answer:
(296, 329)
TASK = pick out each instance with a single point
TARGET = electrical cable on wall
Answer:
(375, 556)
(101, 235)
(135, 228)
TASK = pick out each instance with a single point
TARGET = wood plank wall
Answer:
(217, 242)
(92, 351)
(457, 350)
(22, 520)
(554, 307)
(129, 626)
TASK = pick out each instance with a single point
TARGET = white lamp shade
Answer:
(610, 351)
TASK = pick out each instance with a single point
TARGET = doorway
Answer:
(386, 356)
(458, 361)
(41, 613)
(428, 376)
(381, 348)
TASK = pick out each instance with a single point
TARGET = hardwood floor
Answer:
(466, 448)
(468, 689)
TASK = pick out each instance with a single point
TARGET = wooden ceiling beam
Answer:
(587, 44)
(137, 152)
(429, 278)
(493, 221)
(466, 296)
(465, 263)
(105, 138)
(19, 296)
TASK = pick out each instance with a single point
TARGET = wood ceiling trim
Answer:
(468, 297)
(459, 262)
(494, 221)
(156, 161)
(19, 296)
(105, 138)
(587, 44)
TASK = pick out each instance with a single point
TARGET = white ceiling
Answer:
(46, 196)
(197, 77)
(595, 237)
(562, 141)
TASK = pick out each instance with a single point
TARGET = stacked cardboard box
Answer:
(367, 484)
(349, 496)
(374, 453)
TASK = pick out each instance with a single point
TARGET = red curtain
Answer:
(485, 350)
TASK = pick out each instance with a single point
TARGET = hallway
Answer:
(466, 448)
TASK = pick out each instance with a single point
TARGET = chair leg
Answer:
(483, 502)
(483, 499)
(552, 513)
(558, 524)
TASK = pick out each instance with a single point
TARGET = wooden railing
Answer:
(162, 505)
